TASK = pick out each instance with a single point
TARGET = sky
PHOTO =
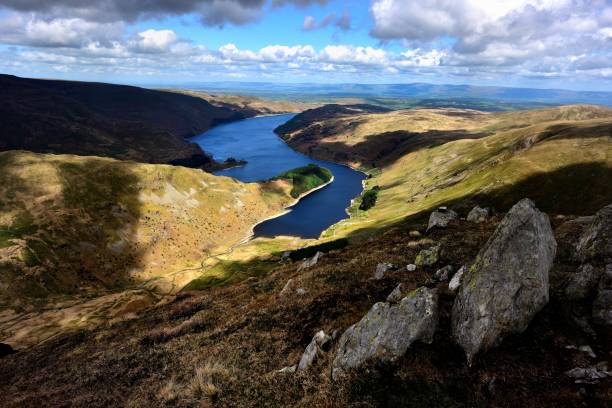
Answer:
(531, 43)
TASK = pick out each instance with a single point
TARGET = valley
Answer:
(164, 285)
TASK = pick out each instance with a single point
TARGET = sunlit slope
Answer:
(73, 225)
(561, 158)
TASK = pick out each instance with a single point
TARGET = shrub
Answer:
(368, 200)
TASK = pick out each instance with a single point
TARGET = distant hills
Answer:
(122, 122)
(429, 93)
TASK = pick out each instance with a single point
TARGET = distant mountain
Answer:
(123, 122)
(412, 91)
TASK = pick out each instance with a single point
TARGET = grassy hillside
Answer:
(560, 157)
(306, 178)
(71, 223)
(116, 121)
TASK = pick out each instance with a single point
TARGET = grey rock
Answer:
(310, 262)
(396, 295)
(442, 274)
(381, 269)
(596, 241)
(387, 331)
(602, 305)
(414, 234)
(589, 375)
(508, 282)
(288, 369)
(285, 257)
(300, 291)
(440, 218)
(411, 267)
(428, 257)
(583, 282)
(456, 280)
(313, 350)
(478, 214)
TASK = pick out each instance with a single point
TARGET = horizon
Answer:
(535, 44)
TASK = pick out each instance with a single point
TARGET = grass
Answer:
(227, 272)
(306, 178)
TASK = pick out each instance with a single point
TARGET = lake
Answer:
(267, 155)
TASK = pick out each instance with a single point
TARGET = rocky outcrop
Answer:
(387, 331)
(428, 257)
(508, 282)
(596, 242)
(583, 282)
(440, 218)
(411, 267)
(478, 214)
(316, 346)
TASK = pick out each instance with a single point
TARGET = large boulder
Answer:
(508, 282)
(440, 218)
(583, 283)
(595, 244)
(387, 330)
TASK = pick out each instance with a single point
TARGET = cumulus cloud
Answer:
(211, 12)
(487, 36)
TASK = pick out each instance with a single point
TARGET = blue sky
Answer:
(535, 43)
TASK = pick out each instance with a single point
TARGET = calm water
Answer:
(253, 140)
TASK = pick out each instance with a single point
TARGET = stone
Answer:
(596, 241)
(442, 274)
(286, 256)
(5, 350)
(387, 331)
(288, 369)
(414, 234)
(583, 282)
(428, 257)
(287, 288)
(396, 295)
(456, 280)
(589, 375)
(310, 262)
(507, 285)
(313, 350)
(478, 214)
(411, 267)
(300, 291)
(440, 218)
(602, 305)
(381, 269)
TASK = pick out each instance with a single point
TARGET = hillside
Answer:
(97, 119)
(80, 228)
(246, 331)
(249, 104)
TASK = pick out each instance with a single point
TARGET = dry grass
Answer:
(207, 381)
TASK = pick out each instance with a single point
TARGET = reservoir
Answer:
(267, 155)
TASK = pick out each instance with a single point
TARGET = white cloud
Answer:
(154, 41)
